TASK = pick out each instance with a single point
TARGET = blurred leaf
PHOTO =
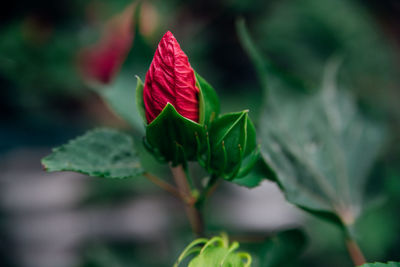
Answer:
(100, 153)
(301, 35)
(262, 65)
(121, 98)
(376, 243)
(377, 264)
(282, 249)
(320, 147)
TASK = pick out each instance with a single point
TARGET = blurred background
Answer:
(66, 219)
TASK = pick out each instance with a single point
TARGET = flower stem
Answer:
(193, 213)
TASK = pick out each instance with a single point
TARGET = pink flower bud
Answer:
(100, 62)
(170, 79)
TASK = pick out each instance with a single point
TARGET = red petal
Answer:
(102, 61)
(170, 79)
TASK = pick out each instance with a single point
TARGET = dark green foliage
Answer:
(319, 144)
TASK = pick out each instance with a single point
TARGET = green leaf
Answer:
(260, 65)
(120, 96)
(378, 264)
(320, 146)
(209, 102)
(263, 66)
(175, 138)
(100, 153)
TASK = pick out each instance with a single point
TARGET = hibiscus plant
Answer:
(180, 114)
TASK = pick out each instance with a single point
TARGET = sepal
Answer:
(248, 162)
(139, 99)
(173, 138)
(208, 101)
(231, 146)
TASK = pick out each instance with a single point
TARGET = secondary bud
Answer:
(233, 149)
(100, 62)
(170, 79)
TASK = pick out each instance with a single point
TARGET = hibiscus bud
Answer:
(170, 79)
(233, 148)
(176, 104)
(100, 62)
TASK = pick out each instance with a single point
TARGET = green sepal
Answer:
(140, 100)
(253, 174)
(209, 107)
(174, 138)
(232, 145)
(249, 162)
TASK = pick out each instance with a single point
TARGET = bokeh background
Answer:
(65, 219)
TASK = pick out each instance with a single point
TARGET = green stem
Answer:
(193, 212)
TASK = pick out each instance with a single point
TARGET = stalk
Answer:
(194, 214)
(355, 252)
(352, 247)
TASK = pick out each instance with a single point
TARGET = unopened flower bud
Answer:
(100, 62)
(170, 79)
